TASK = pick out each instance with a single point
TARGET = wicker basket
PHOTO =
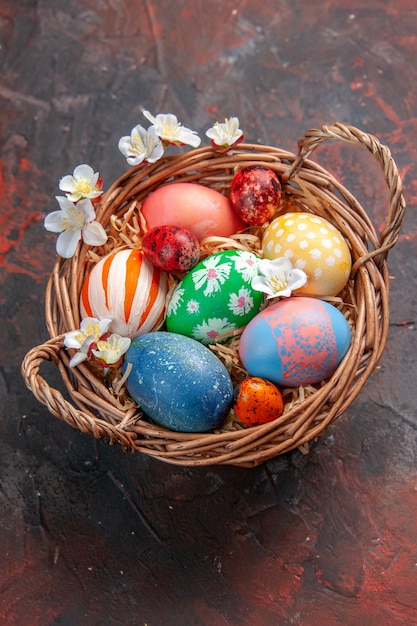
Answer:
(94, 408)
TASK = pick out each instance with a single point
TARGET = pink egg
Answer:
(204, 211)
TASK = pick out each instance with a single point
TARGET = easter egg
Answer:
(313, 245)
(255, 194)
(258, 401)
(126, 288)
(296, 341)
(179, 383)
(202, 210)
(171, 248)
(216, 297)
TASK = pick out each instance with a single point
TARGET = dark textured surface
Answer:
(92, 536)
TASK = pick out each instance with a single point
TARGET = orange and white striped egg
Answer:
(126, 288)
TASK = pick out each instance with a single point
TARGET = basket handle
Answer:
(54, 400)
(396, 202)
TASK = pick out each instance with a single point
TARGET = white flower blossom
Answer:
(225, 136)
(74, 222)
(143, 146)
(89, 326)
(170, 130)
(277, 278)
(91, 329)
(83, 352)
(94, 339)
(84, 183)
(111, 350)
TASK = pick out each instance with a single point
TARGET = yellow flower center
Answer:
(278, 283)
(83, 187)
(138, 147)
(74, 220)
(169, 129)
(92, 329)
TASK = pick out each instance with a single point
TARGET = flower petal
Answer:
(66, 244)
(94, 234)
(86, 344)
(149, 117)
(53, 222)
(82, 184)
(111, 350)
(260, 283)
(265, 268)
(298, 278)
(64, 203)
(170, 130)
(95, 193)
(72, 339)
(189, 137)
(142, 145)
(125, 145)
(277, 278)
(135, 160)
(78, 358)
(85, 171)
(225, 135)
(283, 293)
(67, 183)
(91, 326)
(155, 147)
(103, 326)
(86, 207)
(281, 265)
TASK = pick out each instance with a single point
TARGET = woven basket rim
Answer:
(305, 184)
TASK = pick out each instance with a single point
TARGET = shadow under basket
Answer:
(94, 407)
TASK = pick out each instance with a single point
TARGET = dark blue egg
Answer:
(178, 382)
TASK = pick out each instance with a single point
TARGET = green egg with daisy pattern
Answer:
(216, 297)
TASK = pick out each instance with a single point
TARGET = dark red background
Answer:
(90, 535)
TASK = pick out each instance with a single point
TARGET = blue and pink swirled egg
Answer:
(296, 341)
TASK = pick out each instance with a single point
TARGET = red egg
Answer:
(255, 194)
(258, 401)
(202, 210)
(171, 248)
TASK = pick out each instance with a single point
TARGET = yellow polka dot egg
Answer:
(313, 245)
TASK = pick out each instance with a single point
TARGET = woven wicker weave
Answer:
(95, 409)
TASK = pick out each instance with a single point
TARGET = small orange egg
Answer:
(258, 401)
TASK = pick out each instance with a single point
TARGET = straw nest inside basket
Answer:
(100, 406)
